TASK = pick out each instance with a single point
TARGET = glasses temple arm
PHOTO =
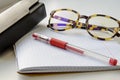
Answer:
(81, 25)
(66, 20)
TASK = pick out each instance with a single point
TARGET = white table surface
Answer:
(8, 65)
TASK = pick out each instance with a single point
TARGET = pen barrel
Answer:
(65, 45)
(41, 37)
(58, 43)
(91, 54)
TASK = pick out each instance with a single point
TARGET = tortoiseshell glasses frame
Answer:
(90, 27)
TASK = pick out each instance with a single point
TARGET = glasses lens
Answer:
(102, 27)
(63, 19)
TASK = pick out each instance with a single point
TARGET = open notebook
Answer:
(34, 56)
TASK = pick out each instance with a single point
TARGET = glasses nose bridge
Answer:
(80, 24)
(118, 33)
(83, 17)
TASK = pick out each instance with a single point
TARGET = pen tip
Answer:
(34, 35)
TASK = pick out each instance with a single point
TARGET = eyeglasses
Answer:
(99, 26)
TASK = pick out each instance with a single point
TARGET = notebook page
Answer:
(33, 53)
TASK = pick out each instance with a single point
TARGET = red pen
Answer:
(67, 46)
